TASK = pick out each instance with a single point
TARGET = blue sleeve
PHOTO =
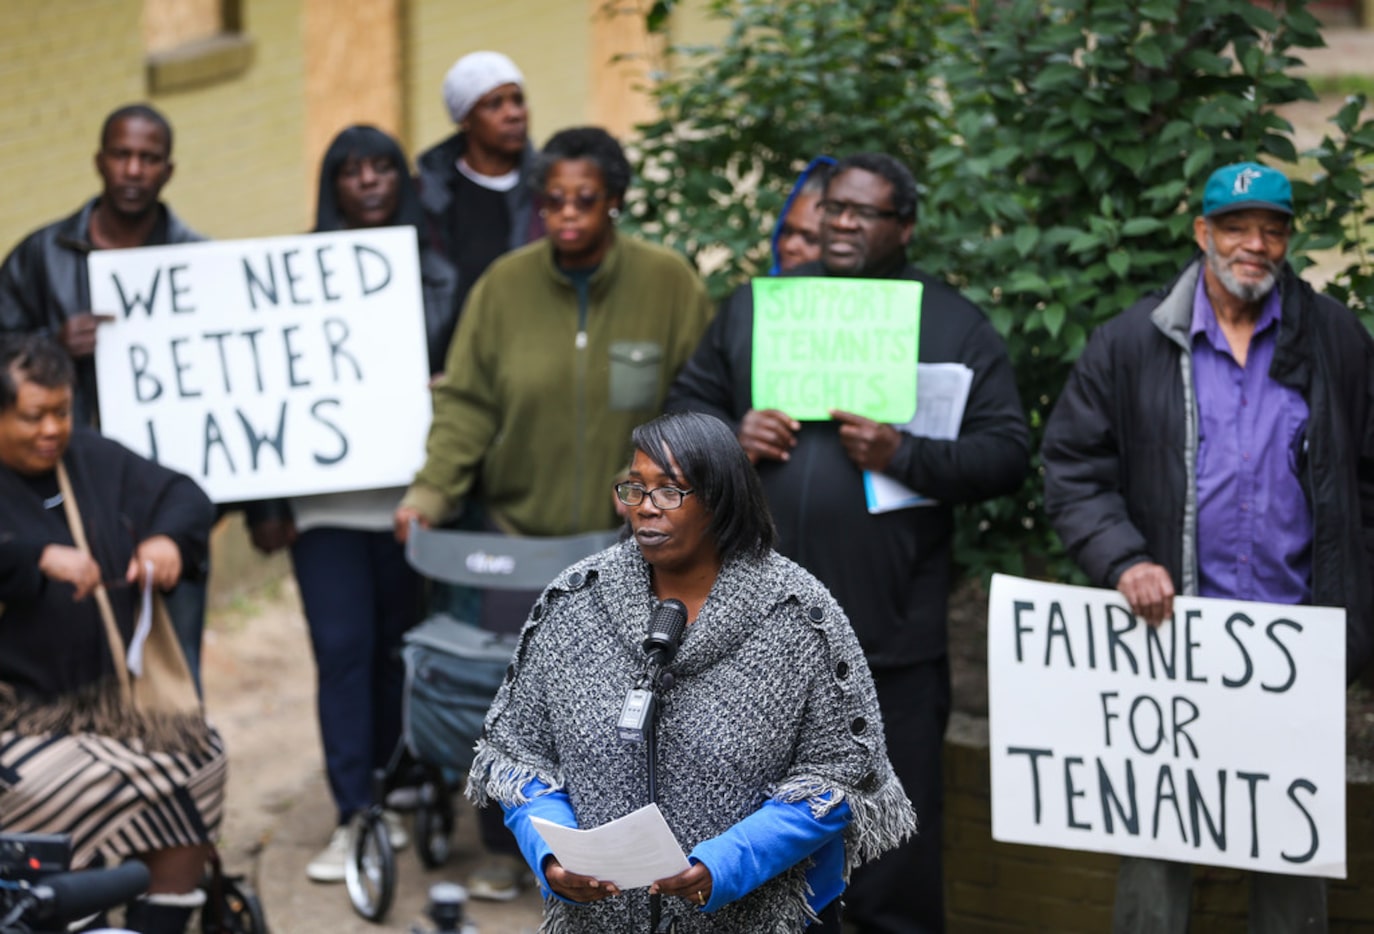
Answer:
(553, 806)
(774, 838)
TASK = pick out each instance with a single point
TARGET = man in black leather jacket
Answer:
(45, 287)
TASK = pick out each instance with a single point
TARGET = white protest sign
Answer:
(273, 367)
(1216, 738)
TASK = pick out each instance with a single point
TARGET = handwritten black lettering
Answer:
(292, 355)
(256, 440)
(178, 289)
(256, 283)
(1293, 787)
(326, 272)
(1271, 632)
(180, 367)
(1198, 811)
(1230, 628)
(1252, 780)
(147, 387)
(379, 276)
(336, 332)
(137, 299)
(214, 438)
(1071, 791)
(1057, 629)
(1017, 609)
(1034, 757)
(1115, 644)
(318, 415)
(1112, 802)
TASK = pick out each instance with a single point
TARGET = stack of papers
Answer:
(941, 395)
(633, 851)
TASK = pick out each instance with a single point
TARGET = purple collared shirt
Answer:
(1254, 527)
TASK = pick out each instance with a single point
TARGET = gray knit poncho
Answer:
(772, 699)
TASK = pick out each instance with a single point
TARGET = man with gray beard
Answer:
(1217, 439)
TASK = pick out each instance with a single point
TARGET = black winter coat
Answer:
(44, 282)
(891, 572)
(1120, 448)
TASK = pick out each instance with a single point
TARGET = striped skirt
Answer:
(111, 796)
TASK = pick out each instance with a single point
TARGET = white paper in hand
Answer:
(632, 851)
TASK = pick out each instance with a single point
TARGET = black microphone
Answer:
(667, 623)
(67, 896)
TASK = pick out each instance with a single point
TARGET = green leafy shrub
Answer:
(1061, 147)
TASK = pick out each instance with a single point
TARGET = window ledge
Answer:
(198, 63)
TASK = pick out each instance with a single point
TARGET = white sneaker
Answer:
(396, 829)
(498, 879)
(328, 864)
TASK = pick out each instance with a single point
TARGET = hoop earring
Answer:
(613, 213)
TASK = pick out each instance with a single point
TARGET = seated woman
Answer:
(125, 765)
(772, 769)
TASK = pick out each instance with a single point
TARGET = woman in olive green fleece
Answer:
(562, 348)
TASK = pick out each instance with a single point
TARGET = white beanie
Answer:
(474, 76)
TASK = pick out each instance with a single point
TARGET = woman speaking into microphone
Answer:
(772, 771)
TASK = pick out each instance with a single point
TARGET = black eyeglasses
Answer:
(864, 212)
(665, 497)
(582, 202)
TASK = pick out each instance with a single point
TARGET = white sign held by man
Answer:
(273, 367)
(1217, 737)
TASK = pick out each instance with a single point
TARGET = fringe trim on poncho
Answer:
(98, 708)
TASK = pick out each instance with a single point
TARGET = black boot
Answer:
(147, 917)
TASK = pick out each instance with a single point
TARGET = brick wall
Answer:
(239, 149)
(1000, 888)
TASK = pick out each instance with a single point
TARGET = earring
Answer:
(614, 213)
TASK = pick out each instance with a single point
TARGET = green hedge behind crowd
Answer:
(1061, 149)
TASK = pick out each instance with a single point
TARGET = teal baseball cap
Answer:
(1246, 185)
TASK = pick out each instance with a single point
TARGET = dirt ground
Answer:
(260, 693)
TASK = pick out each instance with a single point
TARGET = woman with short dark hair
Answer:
(773, 773)
(562, 348)
(99, 739)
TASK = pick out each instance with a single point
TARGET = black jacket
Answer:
(1120, 448)
(51, 645)
(891, 572)
(44, 282)
(437, 171)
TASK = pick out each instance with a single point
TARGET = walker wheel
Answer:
(370, 873)
(434, 822)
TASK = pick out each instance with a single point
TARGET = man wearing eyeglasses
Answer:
(1241, 469)
(890, 571)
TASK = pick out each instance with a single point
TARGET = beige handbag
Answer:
(165, 688)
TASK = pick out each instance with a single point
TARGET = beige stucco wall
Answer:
(65, 67)
(239, 157)
(241, 161)
(247, 145)
(547, 39)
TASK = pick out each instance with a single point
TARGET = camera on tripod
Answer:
(30, 855)
(38, 892)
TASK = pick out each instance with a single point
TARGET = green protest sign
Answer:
(822, 344)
